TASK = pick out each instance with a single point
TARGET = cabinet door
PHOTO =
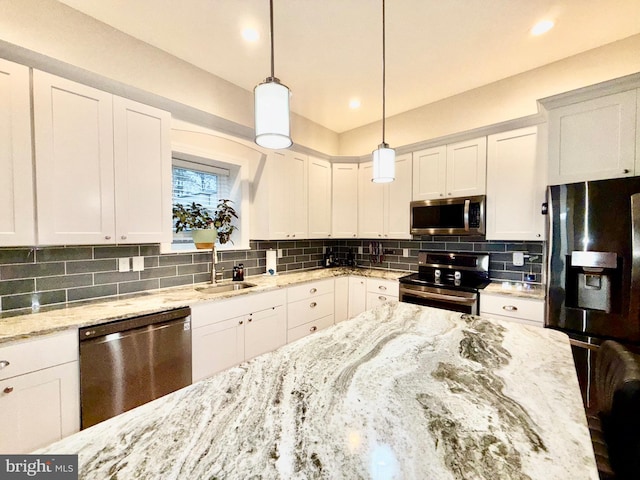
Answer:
(298, 201)
(217, 347)
(370, 203)
(39, 408)
(429, 173)
(142, 149)
(341, 299)
(397, 200)
(344, 194)
(279, 187)
(265, 331)
(515, 186)
(17, 225)
(319, 198)
(466, 168)
(593, 140)
(357, 296)
(73, 127)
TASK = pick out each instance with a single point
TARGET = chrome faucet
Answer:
(214, 260)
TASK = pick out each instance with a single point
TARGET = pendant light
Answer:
(384, 158)
(271, 102)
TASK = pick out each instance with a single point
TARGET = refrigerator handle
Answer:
(634, 294)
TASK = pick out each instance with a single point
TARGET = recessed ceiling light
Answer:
(354, 103)
(542, 27)
(250, 35)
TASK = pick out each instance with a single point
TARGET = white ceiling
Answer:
(328, 51)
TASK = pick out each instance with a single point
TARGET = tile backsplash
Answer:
(31, 278)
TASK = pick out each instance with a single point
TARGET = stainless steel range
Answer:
(447, 280)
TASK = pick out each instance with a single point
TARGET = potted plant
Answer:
(203, 226)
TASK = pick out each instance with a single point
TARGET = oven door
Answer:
(444, 298)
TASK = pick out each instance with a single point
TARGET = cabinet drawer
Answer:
(304, 311)
(38, 353)
(384, 287)
(310, 290)
(309, 328)
(375, 299)
(507, 306)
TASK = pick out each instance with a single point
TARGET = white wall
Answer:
(508, 99)
(66, 35)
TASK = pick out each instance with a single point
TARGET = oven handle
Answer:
(467, 204)
(440, 296)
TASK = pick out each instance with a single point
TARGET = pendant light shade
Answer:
(384, 158)
(272, 114)
(384, 164)
(271, 107)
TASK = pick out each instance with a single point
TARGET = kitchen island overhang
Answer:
(400, 391)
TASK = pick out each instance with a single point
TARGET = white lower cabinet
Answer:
(310, 308)
(357, 296)
(529, 311)
(341, 299)
(39, 392)
(380, 291)
(229, 332)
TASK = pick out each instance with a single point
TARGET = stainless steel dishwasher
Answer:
(127, 363)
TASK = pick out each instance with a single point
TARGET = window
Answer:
(201, 183)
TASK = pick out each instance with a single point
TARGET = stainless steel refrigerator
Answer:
(593, 272)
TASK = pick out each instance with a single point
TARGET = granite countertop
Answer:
(516, 289)
(95, 312)
(400, 391)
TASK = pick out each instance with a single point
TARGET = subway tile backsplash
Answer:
(31, 278)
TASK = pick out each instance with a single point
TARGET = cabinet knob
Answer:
(510, 308)
(626, 170)
(288, 235)
(449, 193)
(4, 364)
(329, 235)
(382, 298)
(538, 235)
(107, 237)
(293, 235)
(240, 322)
(379, 234)
(354, 234)
(382, 287)
(313, 329)
(442, 194)
(313, 304)
(8, 390)
(123, 237)
(313, 290)
(250, 320)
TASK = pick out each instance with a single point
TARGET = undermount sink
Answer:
(228, 287)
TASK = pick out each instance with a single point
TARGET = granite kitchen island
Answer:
(401, 391)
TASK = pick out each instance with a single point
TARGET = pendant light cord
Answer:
(383, 74)
(271, 32)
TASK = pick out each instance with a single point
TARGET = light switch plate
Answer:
(123, 264)
(138, 264)
(518, 259)
(279, 253)
(360, 251)
(405, 252)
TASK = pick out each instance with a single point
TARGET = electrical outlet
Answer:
(518, 259)
(360, 252)
(123, 264)
(279, 253)
(138, 264)
(405, 252)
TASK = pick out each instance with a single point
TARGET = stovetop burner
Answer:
(459, 271)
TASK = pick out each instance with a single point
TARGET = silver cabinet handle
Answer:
(382, 298)
(313, 290)
(8, 390)
(313, 304)
(313, 329)
(510, 308)
(4, 364)
(382, 287)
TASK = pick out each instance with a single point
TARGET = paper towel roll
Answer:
(271, 261)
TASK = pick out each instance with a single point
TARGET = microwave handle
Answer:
(467, 203)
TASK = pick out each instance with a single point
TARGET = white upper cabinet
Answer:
(456, 170)
(103, 166)
(17, 225)
(344, 195)
(319, 198)
(280, 197)
(383, 208)
(143, 172)
(593, 139)
(515, 186)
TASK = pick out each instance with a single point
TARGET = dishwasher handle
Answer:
(88, 333)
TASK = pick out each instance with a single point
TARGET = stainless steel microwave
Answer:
(449, 216)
